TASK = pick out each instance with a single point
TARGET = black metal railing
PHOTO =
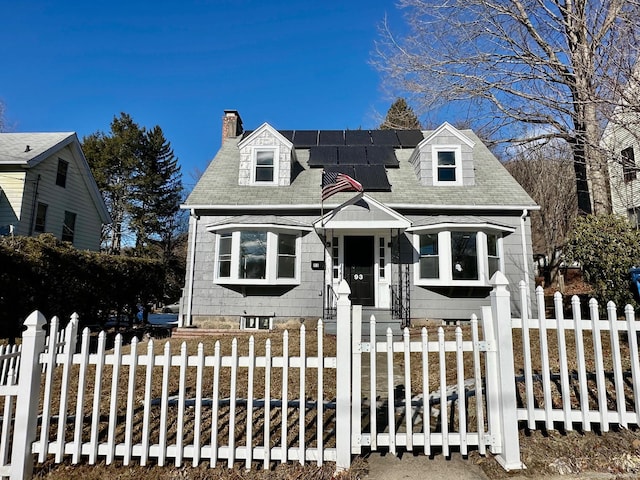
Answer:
(330, 304)
(401, 297)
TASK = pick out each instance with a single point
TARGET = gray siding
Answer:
(305, 300)
(210, 299)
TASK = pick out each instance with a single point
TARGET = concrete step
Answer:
(383, 322)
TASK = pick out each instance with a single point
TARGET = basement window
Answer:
(256, 323)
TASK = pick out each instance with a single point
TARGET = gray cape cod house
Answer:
(439, 215)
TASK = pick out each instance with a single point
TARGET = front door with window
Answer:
(358, 268)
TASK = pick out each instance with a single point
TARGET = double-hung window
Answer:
(41, 218)
(258, 256)
(61, 173)
(628, 164)
(429, 259)
(265, 165)
(457, 256)
(68, 227)
(447, 165)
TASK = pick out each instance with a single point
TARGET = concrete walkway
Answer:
(420, 467)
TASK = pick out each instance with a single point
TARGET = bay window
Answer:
(257, 256)
(463, 256)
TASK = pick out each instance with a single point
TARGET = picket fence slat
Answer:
(558, 387)
(426, 409)
(634, 358)
(617, 362)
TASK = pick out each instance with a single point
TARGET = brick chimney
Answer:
(231, 124)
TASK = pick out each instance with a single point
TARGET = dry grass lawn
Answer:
(544, 453)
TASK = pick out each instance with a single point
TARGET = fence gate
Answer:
(428, 393)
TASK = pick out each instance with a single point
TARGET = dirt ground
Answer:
(545, 453)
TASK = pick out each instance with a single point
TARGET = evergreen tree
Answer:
(400, 116)
(157, 193)
(113, 159)
(139, 177)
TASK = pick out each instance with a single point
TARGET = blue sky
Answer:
(74, 65)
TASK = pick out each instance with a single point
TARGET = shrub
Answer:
(606, 247)
(49, 275)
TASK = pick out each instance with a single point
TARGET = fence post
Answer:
(502, 410)
(343, 378)
(28, 399)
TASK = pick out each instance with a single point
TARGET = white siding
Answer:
(74, 197)
(11, 198)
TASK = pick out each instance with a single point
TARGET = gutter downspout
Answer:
(192, 261)
(525, 262)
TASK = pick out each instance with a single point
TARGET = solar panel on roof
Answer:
(331, 137)
(352, 155)
(321, 156)
(372, 177)
(409, 138)
(357, 137)
(382, 155)
(288, 134)
(385, 137)
(305, 138)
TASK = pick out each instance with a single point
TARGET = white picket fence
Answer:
(564, 391)
(132, 412)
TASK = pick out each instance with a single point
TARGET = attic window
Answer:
(447, 166)
(265, 166)
(61, 175)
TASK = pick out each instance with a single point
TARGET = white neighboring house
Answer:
(46, 186)
(621, 143)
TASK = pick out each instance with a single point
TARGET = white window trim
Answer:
(457, 150)
(271, 269)
(245, 322)
(276, 163)
(445, 261)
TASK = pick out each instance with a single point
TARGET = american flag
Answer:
(334, 182)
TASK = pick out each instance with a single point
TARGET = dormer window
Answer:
(447, 167)
(265, 166)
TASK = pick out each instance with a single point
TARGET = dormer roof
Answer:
(493, 187)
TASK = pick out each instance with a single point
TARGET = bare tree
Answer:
(2, 117)
(547, 174)
(532, 70)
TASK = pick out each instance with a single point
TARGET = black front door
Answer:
(358, 266)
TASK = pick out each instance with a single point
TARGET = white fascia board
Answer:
(266, 226)
(453, 130)
(259, 130)
(453, 225)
